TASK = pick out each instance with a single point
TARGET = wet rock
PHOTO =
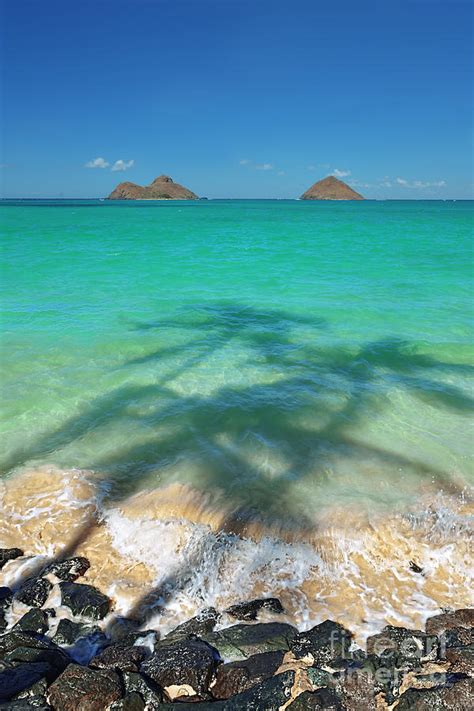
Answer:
(200, 625)
(190, 663)
(119, 656)
(34, 621)
(269, 695)
(455, 637)
(7, 554)
(36, 690)
(357, 687)
(452, 697)
(34, 702)
(461, 659)
(404, 648)
(242, 641)
(250, 610)
(68, 632)
(34, 592)
(325, 642)
(235, 677)
(130, 702)
(82, 689)
(449, 620)
(56, 659)
(6, 597)
(84, 600)
(69, 569)
(146, 688)
(321, 699)
(13, 639)
(15, 679)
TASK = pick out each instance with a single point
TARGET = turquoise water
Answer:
(286, 356)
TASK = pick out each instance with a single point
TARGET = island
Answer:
(331, 188)
(162, 188)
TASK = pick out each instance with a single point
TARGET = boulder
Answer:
(461, 659)
(268, 695)
(34, 702)
(16, 678)
(67, 632)
(84, 600)
(325, 642)
(326, 699)
(242, 641)
(6, 597)
(198, 626)
(449, 620)
(7, 554)
(451, 697)
(235, 677)
(82, 689)
(130, 702)
(69, 569)
(34, 592)
(146, 688)
(119, 656)
(249, 610)
(36, 690)
(191, 663)
(403, 648)
(34, 621)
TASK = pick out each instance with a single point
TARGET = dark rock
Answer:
(56, 659)
(68, 632)
(461, 659)
(34, 592)
(415, 567)
(130, 702)
(34, 691)
(15, 679)
(82, 689)
(269, 695)
(7, 554)
(321, 699)
(325, 642)
(404, 648)
(455, 637)
(200, 625)
(35, 621)
(235, 677)
(241, 641)
(250, 610)
(84, 600)
(13, 639)
(34, 702)
(455, 697)
(357, 687)
(69, 569)
(119, 656)
(191, 662)
(146, 688)
(448, 620)
(6, 597)
(50, 611)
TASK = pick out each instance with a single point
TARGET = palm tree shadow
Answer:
(255, 445)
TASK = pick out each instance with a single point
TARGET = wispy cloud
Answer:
(264, 166)
(341, 173)
(97, 163)
(281, 172)
(420, 184)
(244, 161)
(122, 165)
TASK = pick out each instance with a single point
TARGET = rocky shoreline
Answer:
(69, 652)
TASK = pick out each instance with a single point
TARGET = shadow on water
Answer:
(255, 443)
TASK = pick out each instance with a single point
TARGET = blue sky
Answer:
(237, 98)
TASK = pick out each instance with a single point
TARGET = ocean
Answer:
(216, 400)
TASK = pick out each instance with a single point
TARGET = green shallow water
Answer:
(286, 355)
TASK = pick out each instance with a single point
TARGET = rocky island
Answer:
(331, 188)
(162, 188)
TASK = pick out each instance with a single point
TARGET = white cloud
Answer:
(420, 185)
(311, 167)
(122, 165)
(341, 173)
(244, 161)
(264, 166)
(281, 172)
(97, 163)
